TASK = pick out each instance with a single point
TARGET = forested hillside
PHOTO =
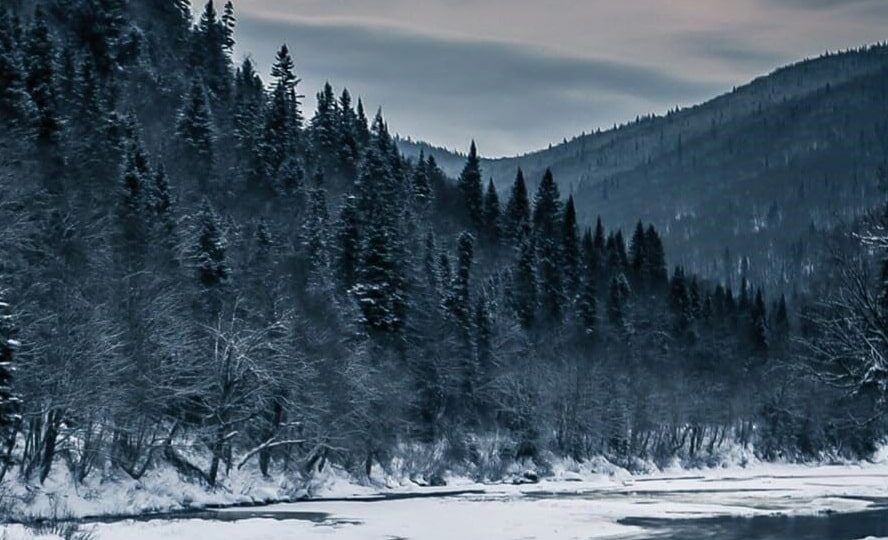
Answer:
(195, 265)
(744, 183)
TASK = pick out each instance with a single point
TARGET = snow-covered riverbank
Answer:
(567, 506)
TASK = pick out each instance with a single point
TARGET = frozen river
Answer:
(765, 502)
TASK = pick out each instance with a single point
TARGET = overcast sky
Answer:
(517, 75)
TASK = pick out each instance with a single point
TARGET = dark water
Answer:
(848, 526)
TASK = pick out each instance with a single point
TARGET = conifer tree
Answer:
(194, 128)
(759, 324)
(325, 125)
(491, 214)
(517, 217)
(470, 187)
(210, 251)
(348, 240)
(524, 282)
(638, 256)
(248, 113)
(780, 325)
(422, 189)
(483, 335)
(570, 249)
(680, 303)
(547, 224)
(349, 149)
(213, 49)
(314, 233)
(656, 258)
(460, 303)
(380, 286)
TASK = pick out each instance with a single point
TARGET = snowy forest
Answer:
(200, 272)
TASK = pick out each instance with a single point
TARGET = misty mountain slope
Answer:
(754, 169)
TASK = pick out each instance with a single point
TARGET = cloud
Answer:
(822, 4)
(509, 97)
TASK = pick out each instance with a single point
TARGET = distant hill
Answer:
(749, 174)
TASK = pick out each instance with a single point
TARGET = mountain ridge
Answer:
(741, 169)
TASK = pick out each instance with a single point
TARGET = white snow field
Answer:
(567, 507)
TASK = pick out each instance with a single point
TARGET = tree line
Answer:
(190, 262)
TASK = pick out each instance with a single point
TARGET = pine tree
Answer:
(680, 303)
(638, 256)
(229, 21)
(361, 129)
(380, 286)
(759, 324)
(483, 334)
(422, 189)
(429, 264)
(491, 214)
(348, 242)
(459, 301)
(210, 252)
(135, 185)
(283, 118)
(349, 150)
(656, 258)
(524, 283)
(194, 128)
(517, 217)
(212, 50)
(314, 233)
(547, 228)
(248, 114)
(325, 126)
(570, 249)
(470, 187)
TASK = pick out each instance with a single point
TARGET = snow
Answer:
(573, 504)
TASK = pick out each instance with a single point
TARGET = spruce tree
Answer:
(213, 49)
(524, 282)
(380, 286)
(210, 258)
(460, 303)
(348, 242)
(194, 128)
(325, 126)
(656, 258)
(491, 214)
(547, 224)
(759, 324)
(570, 249)
(349, 145)
(638, 256)
(516, 221)
(470, 187)
(422, 189)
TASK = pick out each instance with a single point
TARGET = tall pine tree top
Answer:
(471, 188)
